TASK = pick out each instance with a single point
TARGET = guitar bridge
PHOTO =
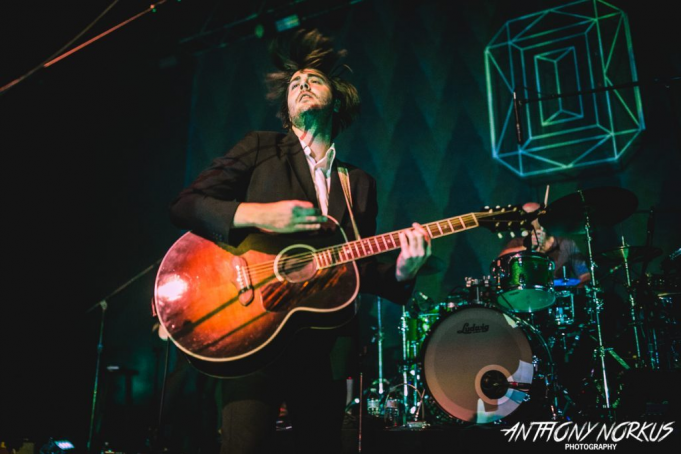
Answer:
(243, 281)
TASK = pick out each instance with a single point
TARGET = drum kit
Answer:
(499, 349)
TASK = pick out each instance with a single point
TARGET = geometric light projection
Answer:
(545, 58)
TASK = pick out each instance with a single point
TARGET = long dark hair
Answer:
(311, 50)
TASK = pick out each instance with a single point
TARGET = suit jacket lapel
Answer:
(337, 205)
(296, 159)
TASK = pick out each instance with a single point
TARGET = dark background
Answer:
(96, 146)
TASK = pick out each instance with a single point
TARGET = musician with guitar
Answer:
(262, 219)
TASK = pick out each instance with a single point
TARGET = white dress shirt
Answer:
(321, 174)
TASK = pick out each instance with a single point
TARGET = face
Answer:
(309, 90)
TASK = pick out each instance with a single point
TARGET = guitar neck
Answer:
(359, 249)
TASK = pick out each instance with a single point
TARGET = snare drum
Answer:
(478, 366)
(524, 281)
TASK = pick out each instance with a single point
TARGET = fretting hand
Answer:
(415, 250)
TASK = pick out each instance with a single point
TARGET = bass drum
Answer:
(478, 366)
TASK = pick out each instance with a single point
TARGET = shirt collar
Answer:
(326, 162)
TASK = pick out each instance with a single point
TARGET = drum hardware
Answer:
(474, 285)
(581, 212)
(374, 405)
(399, 412)
(562, 313)
(626, 255)
(662, 329)
(379, 339)
(414, 326)
(392, 412)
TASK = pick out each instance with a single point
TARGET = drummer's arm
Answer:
(581, 270)
(511, 250)
(584, 279)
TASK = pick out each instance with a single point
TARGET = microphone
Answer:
(518, 128)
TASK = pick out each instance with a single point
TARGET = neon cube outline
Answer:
(568, 132)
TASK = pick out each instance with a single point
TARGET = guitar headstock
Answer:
(509, 218)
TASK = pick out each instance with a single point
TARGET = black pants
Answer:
(303, 378)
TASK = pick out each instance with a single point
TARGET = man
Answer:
(290, 183)
(563, 251)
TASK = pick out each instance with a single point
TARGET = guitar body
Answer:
(232, 309)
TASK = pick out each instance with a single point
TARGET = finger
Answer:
(419, 242)
(414, 241)
(300, 212)
(306, 227)
(303, 203)
(311, 220)
(404, 243)
(302, 208)
(423, 230)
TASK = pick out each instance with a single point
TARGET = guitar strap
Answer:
(345, 183)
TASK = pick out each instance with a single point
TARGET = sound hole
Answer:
(295, 264)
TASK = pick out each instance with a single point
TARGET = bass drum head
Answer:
(470, 358)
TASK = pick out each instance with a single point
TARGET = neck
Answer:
(316, 135)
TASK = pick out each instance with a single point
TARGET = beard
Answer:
(310, 114)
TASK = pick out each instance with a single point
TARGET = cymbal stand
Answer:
(379, 335)
(634, 319)
(596, 303)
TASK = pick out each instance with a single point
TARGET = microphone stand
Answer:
(61, 53)
(100, 343)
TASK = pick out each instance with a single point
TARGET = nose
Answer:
(304, 86)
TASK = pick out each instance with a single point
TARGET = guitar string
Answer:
(308, 257)
(305, 258)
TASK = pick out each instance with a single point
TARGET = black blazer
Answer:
(269, 167)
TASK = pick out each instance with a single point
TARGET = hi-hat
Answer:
(605, 206)
(630, 254)
(561, 282)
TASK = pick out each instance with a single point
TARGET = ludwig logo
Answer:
(472, 329)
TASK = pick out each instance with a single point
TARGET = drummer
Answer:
(571, 269)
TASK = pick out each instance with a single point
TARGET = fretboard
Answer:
(359, 249)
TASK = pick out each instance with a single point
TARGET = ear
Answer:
(336, 105)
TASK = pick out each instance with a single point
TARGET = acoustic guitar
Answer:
(231, 309)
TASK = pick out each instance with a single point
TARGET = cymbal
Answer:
(630, 254)
(606, 206)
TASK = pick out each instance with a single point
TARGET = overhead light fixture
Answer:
(287, 23)
(56, 447)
